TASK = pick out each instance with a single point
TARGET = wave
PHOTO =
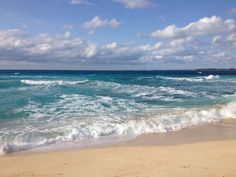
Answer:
(191, 79)
(141, 90)
(69, 130)
(173, 91)
(210, 77)
(53, 82)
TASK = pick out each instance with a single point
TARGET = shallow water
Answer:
(41, 108)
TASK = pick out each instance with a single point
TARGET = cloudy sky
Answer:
(117, 34)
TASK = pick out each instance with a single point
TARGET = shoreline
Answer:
(224, 129)
(207, 150)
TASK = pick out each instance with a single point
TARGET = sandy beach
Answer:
(196, 152)
(117, 88)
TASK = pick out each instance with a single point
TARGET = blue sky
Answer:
(117, 34)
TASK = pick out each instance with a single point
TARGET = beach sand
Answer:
(204, 151)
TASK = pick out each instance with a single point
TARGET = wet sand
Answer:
(223, 130)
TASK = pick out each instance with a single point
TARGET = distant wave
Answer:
(141, 90)
(73, 131)
(191, 79)
(52, 82)
(210, 77)
(173, 91)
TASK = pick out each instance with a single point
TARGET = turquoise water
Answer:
(42, 108)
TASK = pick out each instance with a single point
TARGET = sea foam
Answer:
(53, 82)
(106, 126)
(191, 79)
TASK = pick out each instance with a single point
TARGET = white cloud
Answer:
(231, 38)
(217, 40)
(221, 56)
(13, 38)
(149, 47)
(112, 45)
(98, 22)
(68, 27)
(205, 26)
(18, 48)
(135, 4)
(79, 2)
(225, 41)
(90, 50)
(180, 41)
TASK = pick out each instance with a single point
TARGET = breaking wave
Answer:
(191, 79)
(52, 82)
(72, 130)
(142, 91)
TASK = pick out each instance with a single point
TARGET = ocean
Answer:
(50, 109)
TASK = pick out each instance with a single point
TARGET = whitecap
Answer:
(141, 90)
(210, 77)
(53, 82)
(191, 79)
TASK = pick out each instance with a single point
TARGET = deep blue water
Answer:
(40, 108)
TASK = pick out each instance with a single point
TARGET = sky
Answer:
(117, 34)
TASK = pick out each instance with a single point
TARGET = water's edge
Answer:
(224, 129)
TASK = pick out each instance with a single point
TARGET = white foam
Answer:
(210, 77)
(2, 150)
(105, 124)
(174, 91)
(141, 90)
(191, 79)
(52, 82)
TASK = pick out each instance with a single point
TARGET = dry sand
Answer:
(187, 155)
